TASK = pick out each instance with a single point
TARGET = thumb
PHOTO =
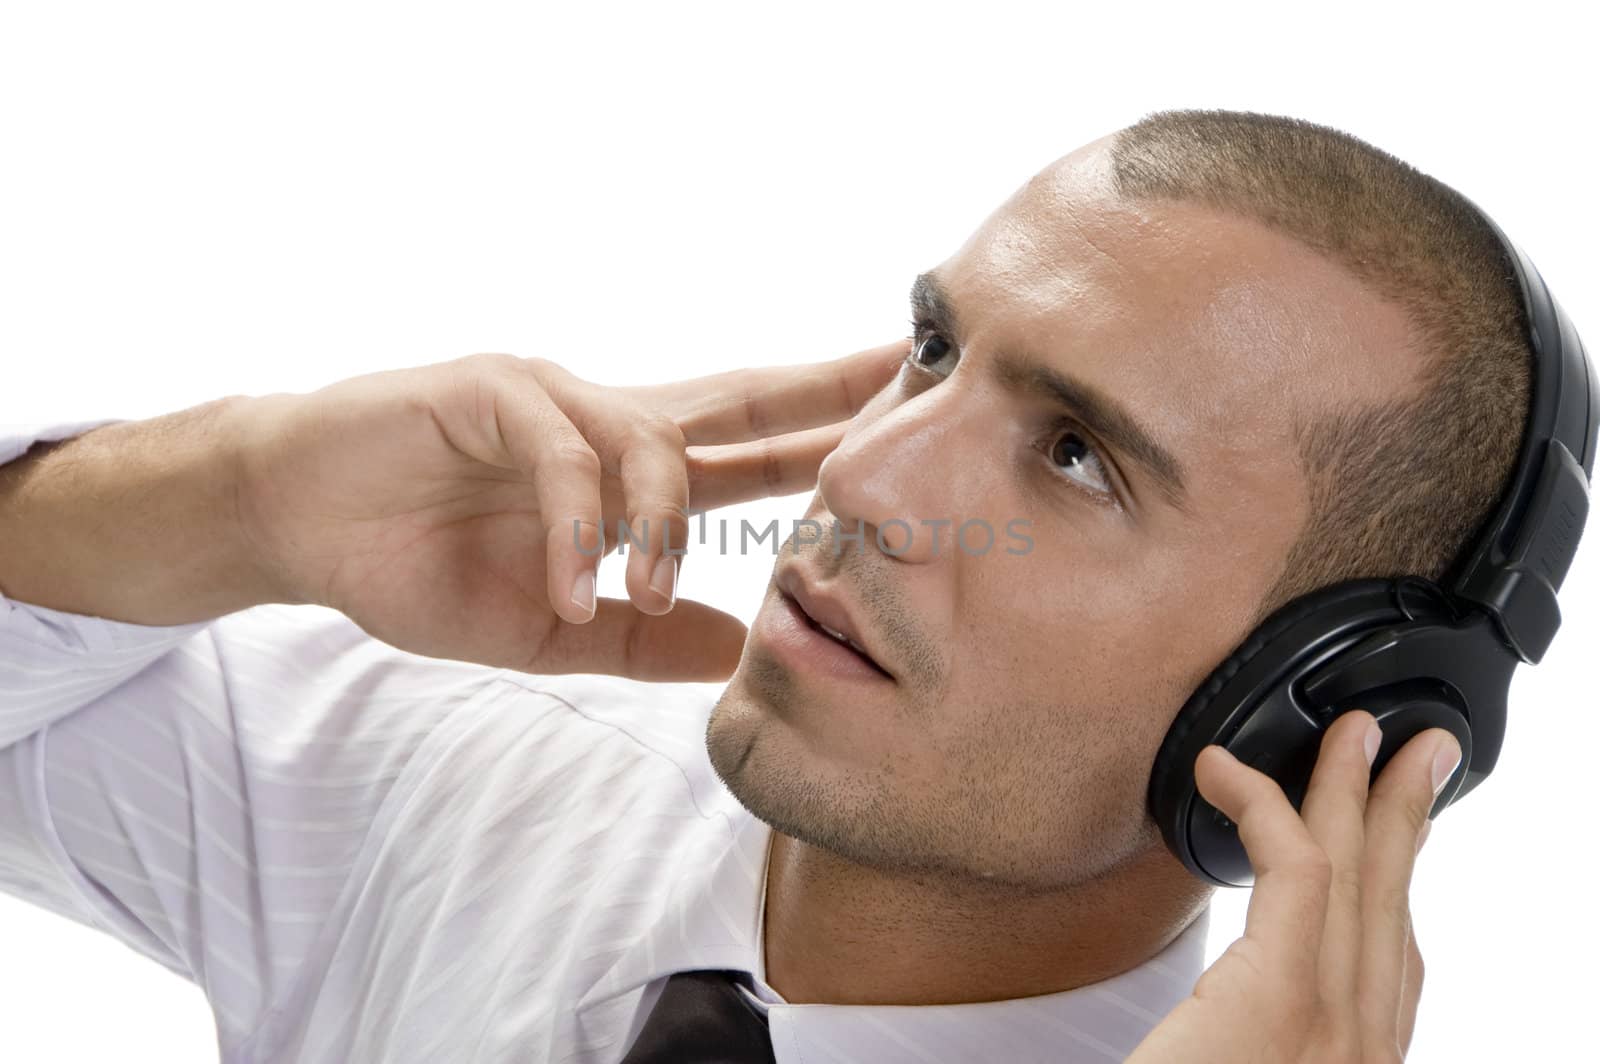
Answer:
(692, 642)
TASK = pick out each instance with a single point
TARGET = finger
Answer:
(695, 643)
(1289, 901)
(1334, 810)
(1397, 807)
(645, 450)
(512, 421)
(749, 404)
(783, 465)
(1411, 995)
(655, 487)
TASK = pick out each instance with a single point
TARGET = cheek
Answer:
(1036, 676)
(1053, 623)
(1041, 775)
(1050, 678)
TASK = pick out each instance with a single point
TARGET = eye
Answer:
(928, 348)
(1076, 458)
(1075, 455)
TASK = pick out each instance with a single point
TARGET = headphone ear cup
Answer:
(1299, 635)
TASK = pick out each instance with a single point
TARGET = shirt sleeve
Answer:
(201, 791)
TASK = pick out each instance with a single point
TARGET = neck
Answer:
(841, 933)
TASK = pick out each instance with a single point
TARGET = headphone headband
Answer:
(1520, 555)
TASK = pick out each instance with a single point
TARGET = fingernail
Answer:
(1373, 740)
(583, 591)
(1445, 760)
(664, 581)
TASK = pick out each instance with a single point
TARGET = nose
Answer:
(905, 474)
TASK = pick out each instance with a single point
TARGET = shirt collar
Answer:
(712, 919)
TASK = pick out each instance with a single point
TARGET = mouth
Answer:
(818, 629)
(838, 639)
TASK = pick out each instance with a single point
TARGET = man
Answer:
(1202, 365)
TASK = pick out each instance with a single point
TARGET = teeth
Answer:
(841, 637)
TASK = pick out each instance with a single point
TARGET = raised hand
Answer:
(1328, 968)
(437, 506)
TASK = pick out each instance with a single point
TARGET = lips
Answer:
(828, 615)
(841, 637)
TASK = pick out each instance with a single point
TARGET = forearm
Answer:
(134, 521)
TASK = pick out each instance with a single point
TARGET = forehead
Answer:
(1203, 321)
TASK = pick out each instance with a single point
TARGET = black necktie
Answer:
(703, 1018)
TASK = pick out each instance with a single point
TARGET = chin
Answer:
(731, 734)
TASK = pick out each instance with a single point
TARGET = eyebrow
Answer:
(1100, 413)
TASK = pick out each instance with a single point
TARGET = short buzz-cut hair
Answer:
(1397, 487)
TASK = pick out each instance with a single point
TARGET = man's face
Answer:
(1031, 683)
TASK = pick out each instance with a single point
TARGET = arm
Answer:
(203, 791)
(132, 521)
(213, 809)
(457, 510)
(199, 775)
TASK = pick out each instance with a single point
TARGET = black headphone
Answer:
(1414, 653)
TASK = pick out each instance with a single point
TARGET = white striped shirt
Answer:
(363, 855)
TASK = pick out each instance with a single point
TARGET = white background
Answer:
(205, 199)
